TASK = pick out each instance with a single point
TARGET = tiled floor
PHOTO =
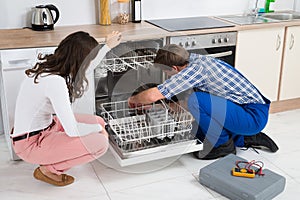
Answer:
(165, 179)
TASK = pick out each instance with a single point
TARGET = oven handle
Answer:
(222, 54)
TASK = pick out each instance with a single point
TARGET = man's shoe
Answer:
(209, 152)
(260, 140)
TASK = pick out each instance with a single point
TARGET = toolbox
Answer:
(218, 177)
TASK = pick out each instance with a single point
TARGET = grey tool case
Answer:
(217, 176)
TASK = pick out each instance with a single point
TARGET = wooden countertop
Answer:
(26, 38)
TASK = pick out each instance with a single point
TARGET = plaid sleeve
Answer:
(190, 77)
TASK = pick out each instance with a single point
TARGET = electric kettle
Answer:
(42, 17)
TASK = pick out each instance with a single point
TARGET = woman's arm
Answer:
(57, 93)
(112, 40)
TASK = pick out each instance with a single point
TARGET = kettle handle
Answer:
(54, 8)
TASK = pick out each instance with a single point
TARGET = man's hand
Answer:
(113, 39)
(131, 102)
(146, 97)
(138, 106)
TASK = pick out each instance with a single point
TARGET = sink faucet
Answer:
(254, 9)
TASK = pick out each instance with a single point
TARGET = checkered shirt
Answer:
(214, 76)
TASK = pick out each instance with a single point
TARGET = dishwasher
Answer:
(147, 132)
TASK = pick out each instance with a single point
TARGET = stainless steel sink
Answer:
(281, 16)
(246, 19)
(263, 18)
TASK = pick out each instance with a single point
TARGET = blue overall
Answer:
(226, 104)
(217, 118)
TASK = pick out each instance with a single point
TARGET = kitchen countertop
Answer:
(26, 38)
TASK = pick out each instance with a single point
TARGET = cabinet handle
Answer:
(16, 68)
(278, 42)
(292, 41)
(19, 62)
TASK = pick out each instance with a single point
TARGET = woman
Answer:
(61, 141)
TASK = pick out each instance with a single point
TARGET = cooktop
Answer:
(190, 23)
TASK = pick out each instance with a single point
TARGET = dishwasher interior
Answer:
(148, 132)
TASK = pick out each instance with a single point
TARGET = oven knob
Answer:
(214, 41)
(226, 39)
(220, 40)
(194, 43)
(187, 44)
(180, 44)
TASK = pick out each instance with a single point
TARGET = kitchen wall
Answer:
(17, 13)
(188, 8)
(297, 5)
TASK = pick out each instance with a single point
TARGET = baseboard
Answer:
(285, 105)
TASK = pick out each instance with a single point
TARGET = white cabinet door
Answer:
(14, 62)
(11, 84)
(258, 58)
(1, 92)
(290, 78)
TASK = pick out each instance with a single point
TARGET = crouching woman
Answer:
(46, 131)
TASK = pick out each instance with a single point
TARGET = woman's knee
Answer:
(100, 121)
(103, 146)
(95, 143)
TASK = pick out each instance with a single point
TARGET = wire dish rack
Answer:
(134, 61)
(147, 126)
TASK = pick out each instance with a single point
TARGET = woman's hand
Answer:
(113, 39)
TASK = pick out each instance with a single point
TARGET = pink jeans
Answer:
(57, 151)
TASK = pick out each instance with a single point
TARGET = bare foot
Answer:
(49, 174)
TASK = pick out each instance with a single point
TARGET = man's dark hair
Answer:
(172, 55)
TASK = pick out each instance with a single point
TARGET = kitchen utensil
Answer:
(42, 17)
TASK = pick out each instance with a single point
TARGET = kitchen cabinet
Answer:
(13, 64)
(290, 81)
(258, 58)
(1, 118)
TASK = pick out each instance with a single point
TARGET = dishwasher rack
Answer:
(147, 126)
(132, 60)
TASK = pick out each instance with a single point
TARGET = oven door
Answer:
(226, 54)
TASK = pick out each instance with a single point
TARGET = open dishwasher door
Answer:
(148, 133)
(139, 135)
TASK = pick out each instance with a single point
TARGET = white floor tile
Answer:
(172, 178)
(17, 182)
(116, 179)
(20, 183)
(193, 164)
(186, 187)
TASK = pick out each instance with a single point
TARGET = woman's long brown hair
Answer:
(70, 61)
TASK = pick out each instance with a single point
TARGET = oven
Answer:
(219, 45)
